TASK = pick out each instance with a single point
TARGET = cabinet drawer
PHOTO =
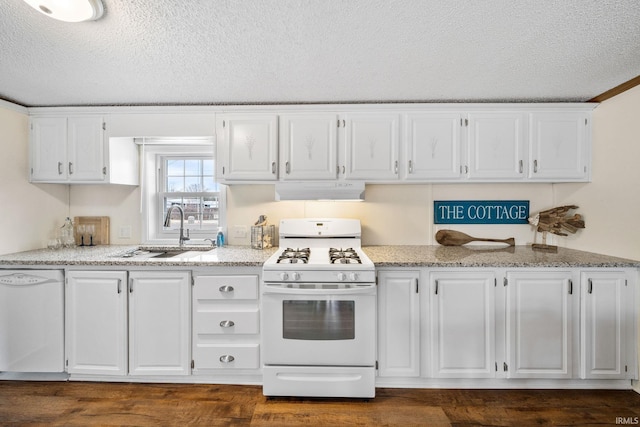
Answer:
(227, 356)
(227, 322)
(226, 287)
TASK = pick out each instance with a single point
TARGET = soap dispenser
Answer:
(220, 238)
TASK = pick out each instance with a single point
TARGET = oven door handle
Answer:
(276, 289)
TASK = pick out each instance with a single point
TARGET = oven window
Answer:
(318, 320)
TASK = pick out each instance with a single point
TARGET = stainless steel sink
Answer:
(159, 253)
(167, 254)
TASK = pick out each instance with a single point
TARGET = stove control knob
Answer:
(341, 276)
(284, 276)
(353, 276)
(295, 276)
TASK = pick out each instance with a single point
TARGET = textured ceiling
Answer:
(147, 52)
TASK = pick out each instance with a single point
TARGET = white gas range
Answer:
(319, 312)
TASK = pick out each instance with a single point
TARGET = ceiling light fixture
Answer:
(69, 10)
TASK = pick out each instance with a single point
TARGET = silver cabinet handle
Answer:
(520, 166)
(287, 168)
(410, 166)
(436, 290)
(227, 358)
(395, 167)
(223, 170)
(70, 168)
(227, 323)
(466, 169)
(535, 166)
(226, 289)
(130, 285)
(119, 286)
(343, 169)
(590, 286)
(59, 168)
(273, 167)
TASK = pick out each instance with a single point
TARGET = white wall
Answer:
(391, 214)
(30, 213)
(611, 203)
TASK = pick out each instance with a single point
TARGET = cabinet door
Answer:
(559, 146)
(308, 146)
(540, 318)
(85, 149)
(398, 324)
(603, 322)
(159, 323)
(463, 324)
(432, 146)
(48, 149)
(496, 145)
(371, 148)
(249, 147)
(96, 322)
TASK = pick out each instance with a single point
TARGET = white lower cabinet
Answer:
(226, 324)
(541, 314)
(96, 322)
(545, 324)
(606, 334)
(159, 323)
(399, 324)
(462, 313)
(139, 326)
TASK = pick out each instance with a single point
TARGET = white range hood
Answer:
(320, 190)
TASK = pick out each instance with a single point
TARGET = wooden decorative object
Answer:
(101, 224)
(555, 221)
(458, 238)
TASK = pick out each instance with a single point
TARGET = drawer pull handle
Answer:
(227, 358)
(226, 323)
(226, 288)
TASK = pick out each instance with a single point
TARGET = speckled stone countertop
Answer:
(382, 256)
(114, 255)
(488, 256)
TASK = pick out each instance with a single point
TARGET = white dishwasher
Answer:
(31, 321)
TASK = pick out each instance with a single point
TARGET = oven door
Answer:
(319, 324)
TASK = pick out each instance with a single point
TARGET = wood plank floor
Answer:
(89, 404)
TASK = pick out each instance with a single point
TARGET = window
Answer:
(182, 174)
(189, 182)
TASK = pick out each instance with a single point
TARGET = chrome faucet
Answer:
(167, 223)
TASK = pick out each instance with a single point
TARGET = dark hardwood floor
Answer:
(87, 404)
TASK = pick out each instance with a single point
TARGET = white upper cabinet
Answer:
(308, 146)
(371, 146)
(247, 147)
(74, 150)
(496, 143)
(560, 146)
(67, 149)
(432, 146)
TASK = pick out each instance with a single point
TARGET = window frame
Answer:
(152, 193)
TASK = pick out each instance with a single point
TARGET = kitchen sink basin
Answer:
(160, 254)
(167, 254)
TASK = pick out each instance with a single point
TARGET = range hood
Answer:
(320, 190)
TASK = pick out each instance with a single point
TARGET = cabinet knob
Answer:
(227, 323)
(226, 289)
(227, 358)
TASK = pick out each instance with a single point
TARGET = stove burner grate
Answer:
(292, 256)
(344, 256)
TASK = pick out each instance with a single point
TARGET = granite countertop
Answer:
(488, 256)
(114, 255)
(382, 256)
